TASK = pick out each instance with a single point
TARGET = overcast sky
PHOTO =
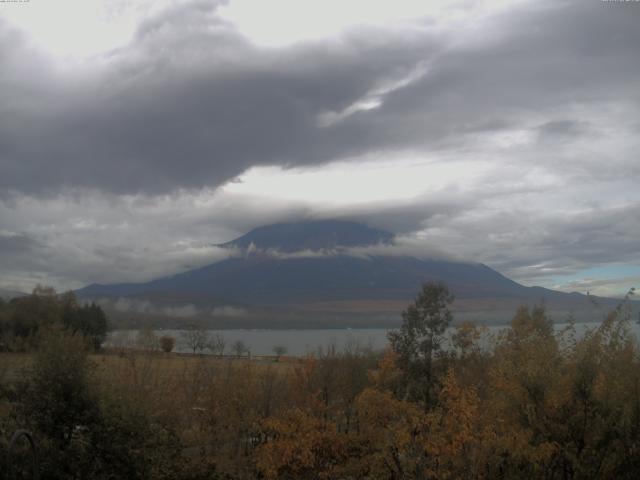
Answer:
(136, 134)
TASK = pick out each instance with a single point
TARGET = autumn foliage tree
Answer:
(530, 400)
(420, 337)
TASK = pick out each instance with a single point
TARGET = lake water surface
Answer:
(303, 342)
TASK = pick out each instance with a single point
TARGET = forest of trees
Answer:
(528, 402)
(21, 318)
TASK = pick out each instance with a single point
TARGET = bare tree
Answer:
(196, 339)
(239, 347)
(120, 340)
(217, 344)
(147, 339)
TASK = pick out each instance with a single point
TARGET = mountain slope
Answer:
(309, 263)
(262, 279)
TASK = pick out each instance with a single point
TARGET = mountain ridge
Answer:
(257, 279)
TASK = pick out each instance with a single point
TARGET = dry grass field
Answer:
(190, 394)
(165, 366)
(167, 380)
(12, 365)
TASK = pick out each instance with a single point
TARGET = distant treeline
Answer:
(526, 402)
(21, 318)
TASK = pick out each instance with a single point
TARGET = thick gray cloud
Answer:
(190, 104)
(109, 169)
(15, 243)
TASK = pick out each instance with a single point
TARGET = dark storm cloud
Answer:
(540, 60)
(190, 104)
(16, 243)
